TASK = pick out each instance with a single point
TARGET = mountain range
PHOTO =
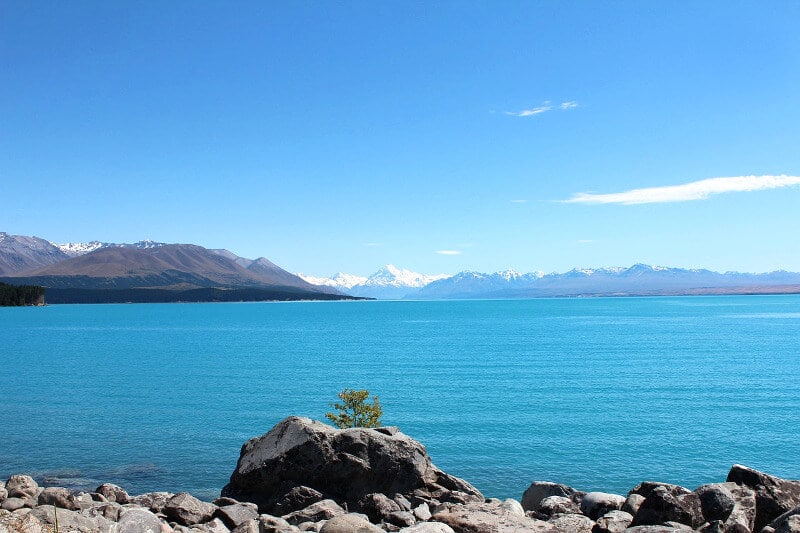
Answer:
(155, 271)
(76, 272)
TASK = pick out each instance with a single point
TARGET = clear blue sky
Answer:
(340, 136)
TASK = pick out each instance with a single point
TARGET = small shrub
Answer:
(354, 411)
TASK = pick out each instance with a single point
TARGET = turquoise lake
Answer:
(599, 393)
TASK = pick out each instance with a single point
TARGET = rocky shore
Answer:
(306, 476)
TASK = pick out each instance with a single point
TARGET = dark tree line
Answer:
(13, 295)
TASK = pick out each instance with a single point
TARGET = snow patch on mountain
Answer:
(74, 249)
(389, 282)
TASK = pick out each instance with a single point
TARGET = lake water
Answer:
(599, 394)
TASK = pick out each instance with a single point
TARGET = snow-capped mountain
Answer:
(388, 283)
(75, 249)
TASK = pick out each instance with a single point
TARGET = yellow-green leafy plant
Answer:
(355, 411)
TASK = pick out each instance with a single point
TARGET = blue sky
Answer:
(437, 136)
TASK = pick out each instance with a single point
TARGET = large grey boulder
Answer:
(787, 522)
(343, 464)
(488, 517)
(236, 514)
(729, 504)
(428, 527)
(553, 505)
(774, 496)
(21, 523)
(3, 491)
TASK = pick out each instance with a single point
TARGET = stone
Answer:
(249, 526)
(234, 515)
(787, 521)
(188, 510)
(716, 501)
(632, 503)
(322, 510)
(572, 523)
(295, 499)
(669, 504)
(138, 520)
(215, 525)
(349, 523)
(73, 521)
(613, 522)
(23, 487)
(655, 529)
(401, 519)
(428, 527)
(553, 505)
(487, 517)
(113, 493)
(3, 491)
(378, 507)
(596, 504)
(273, 524)
(58, 496)
(774, 496)
(12, 504)
(512, 506)
(22, 523)
(402, 501)
(344, 464)
(311, 526)
(155, 501)
(539, 490)
(646, 487)
(422, 512)
(109, 510)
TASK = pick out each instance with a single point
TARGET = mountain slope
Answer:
(19, 253)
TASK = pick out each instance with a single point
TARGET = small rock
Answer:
(378, 507)
(155, 501)
(23, 487)
(58, 496)
(349, 523)
(297, 498)
(401, 519)
(402, 501)
(632, 503)
(188, 510)
(113, 493)
(539, 490)
(422, 512)
(138, 520)
(234, 515)
(512, 506)
(613, 522)
(12, 504)
(553, 505)
(428, 527)
(250, 526)
(596, 504)
(572, 523)
(669, 504)
(787, 521)
(273, 524)
(322, 510)
(215, 525)
(110, 511)
(488, 517)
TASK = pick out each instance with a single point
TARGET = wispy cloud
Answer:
(373, 244)
(519, 201)
(696, 190)
(544, 108)
(584, 241)
(448, 252)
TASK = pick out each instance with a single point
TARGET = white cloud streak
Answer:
(544, 108)
(519, 201)
(696, 190)
(448, 252)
